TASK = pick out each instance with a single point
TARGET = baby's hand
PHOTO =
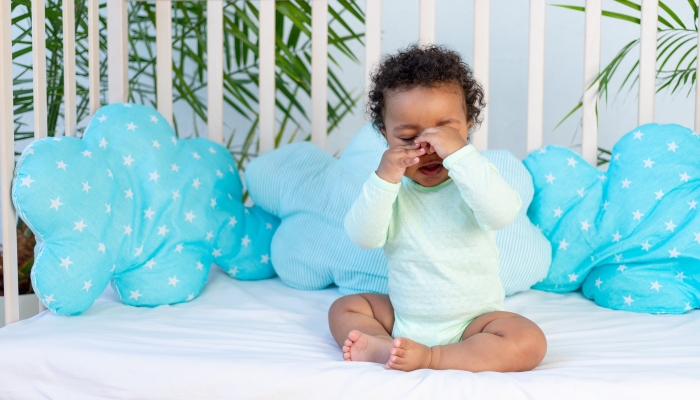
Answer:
(396, 160)
(442, 140)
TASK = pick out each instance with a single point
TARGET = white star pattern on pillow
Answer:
(644, 209)
(156, 212)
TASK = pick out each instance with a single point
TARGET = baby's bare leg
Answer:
(362, 324)
(498, 341)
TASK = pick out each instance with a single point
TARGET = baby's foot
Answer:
(362, 347)
(407, 355)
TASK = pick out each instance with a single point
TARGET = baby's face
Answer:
(409, 112)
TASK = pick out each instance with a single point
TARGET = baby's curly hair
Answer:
(428, 66)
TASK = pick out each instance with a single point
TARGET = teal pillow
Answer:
(132, 205)
(311, 192)
(629, 237)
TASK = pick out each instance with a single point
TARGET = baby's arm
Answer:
(367, 222)
(494, 202)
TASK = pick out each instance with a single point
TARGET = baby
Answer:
(433, 204)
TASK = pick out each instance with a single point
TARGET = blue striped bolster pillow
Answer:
(311, 192)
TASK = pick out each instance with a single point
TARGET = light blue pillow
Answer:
(629, 237)
(132, 204)
(311, 192)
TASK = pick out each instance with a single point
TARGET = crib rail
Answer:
(482, 37)
(591, 68)
(117, 68)
(535, 77)
(647, 61)
(164, 59)
(39, 59)
(7, 165)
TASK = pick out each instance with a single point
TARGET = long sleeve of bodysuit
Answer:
(495, 204)
(367, 222)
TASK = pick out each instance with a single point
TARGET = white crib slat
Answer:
(7, 166)
(94, 54)
(319, 72)
(647, 61)
(591, 61)
(697, 91)
(427, 22)
(39, 59)
(164, 58)
(373, 39)
(70, 106)
(482, 26)
(266, 45)
(535, 81)
(117, 53)
(215, 70)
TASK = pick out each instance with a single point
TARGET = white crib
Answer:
(118, 79)
(274, 342)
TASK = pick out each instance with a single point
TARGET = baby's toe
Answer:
(401, 343)
(398, 352)
(346, 356)
(354, 335)
(346, 349)
(348, 342)
(396, 360)
(395, 363)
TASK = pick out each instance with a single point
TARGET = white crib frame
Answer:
(118, 79)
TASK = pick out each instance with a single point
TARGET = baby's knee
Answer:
(350, 303)
(532, 347)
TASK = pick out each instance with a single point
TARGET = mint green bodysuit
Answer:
(440, 245)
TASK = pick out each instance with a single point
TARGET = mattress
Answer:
(263, 340)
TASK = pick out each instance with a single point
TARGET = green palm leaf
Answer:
(675, 70)
(293, 72)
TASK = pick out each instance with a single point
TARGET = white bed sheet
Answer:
(265, 340)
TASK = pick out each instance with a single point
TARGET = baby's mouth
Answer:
(431, 169)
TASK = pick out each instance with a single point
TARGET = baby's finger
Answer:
(410, 153)
(415, 152)
(425, 137)
(411, 146)
(432, 130)
(420, 140)
(423, 145)
(410, 161)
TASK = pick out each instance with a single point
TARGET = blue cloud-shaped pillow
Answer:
(629, 237)
(132, 204)
(312, 192)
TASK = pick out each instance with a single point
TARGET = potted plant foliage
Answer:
(293, 74)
